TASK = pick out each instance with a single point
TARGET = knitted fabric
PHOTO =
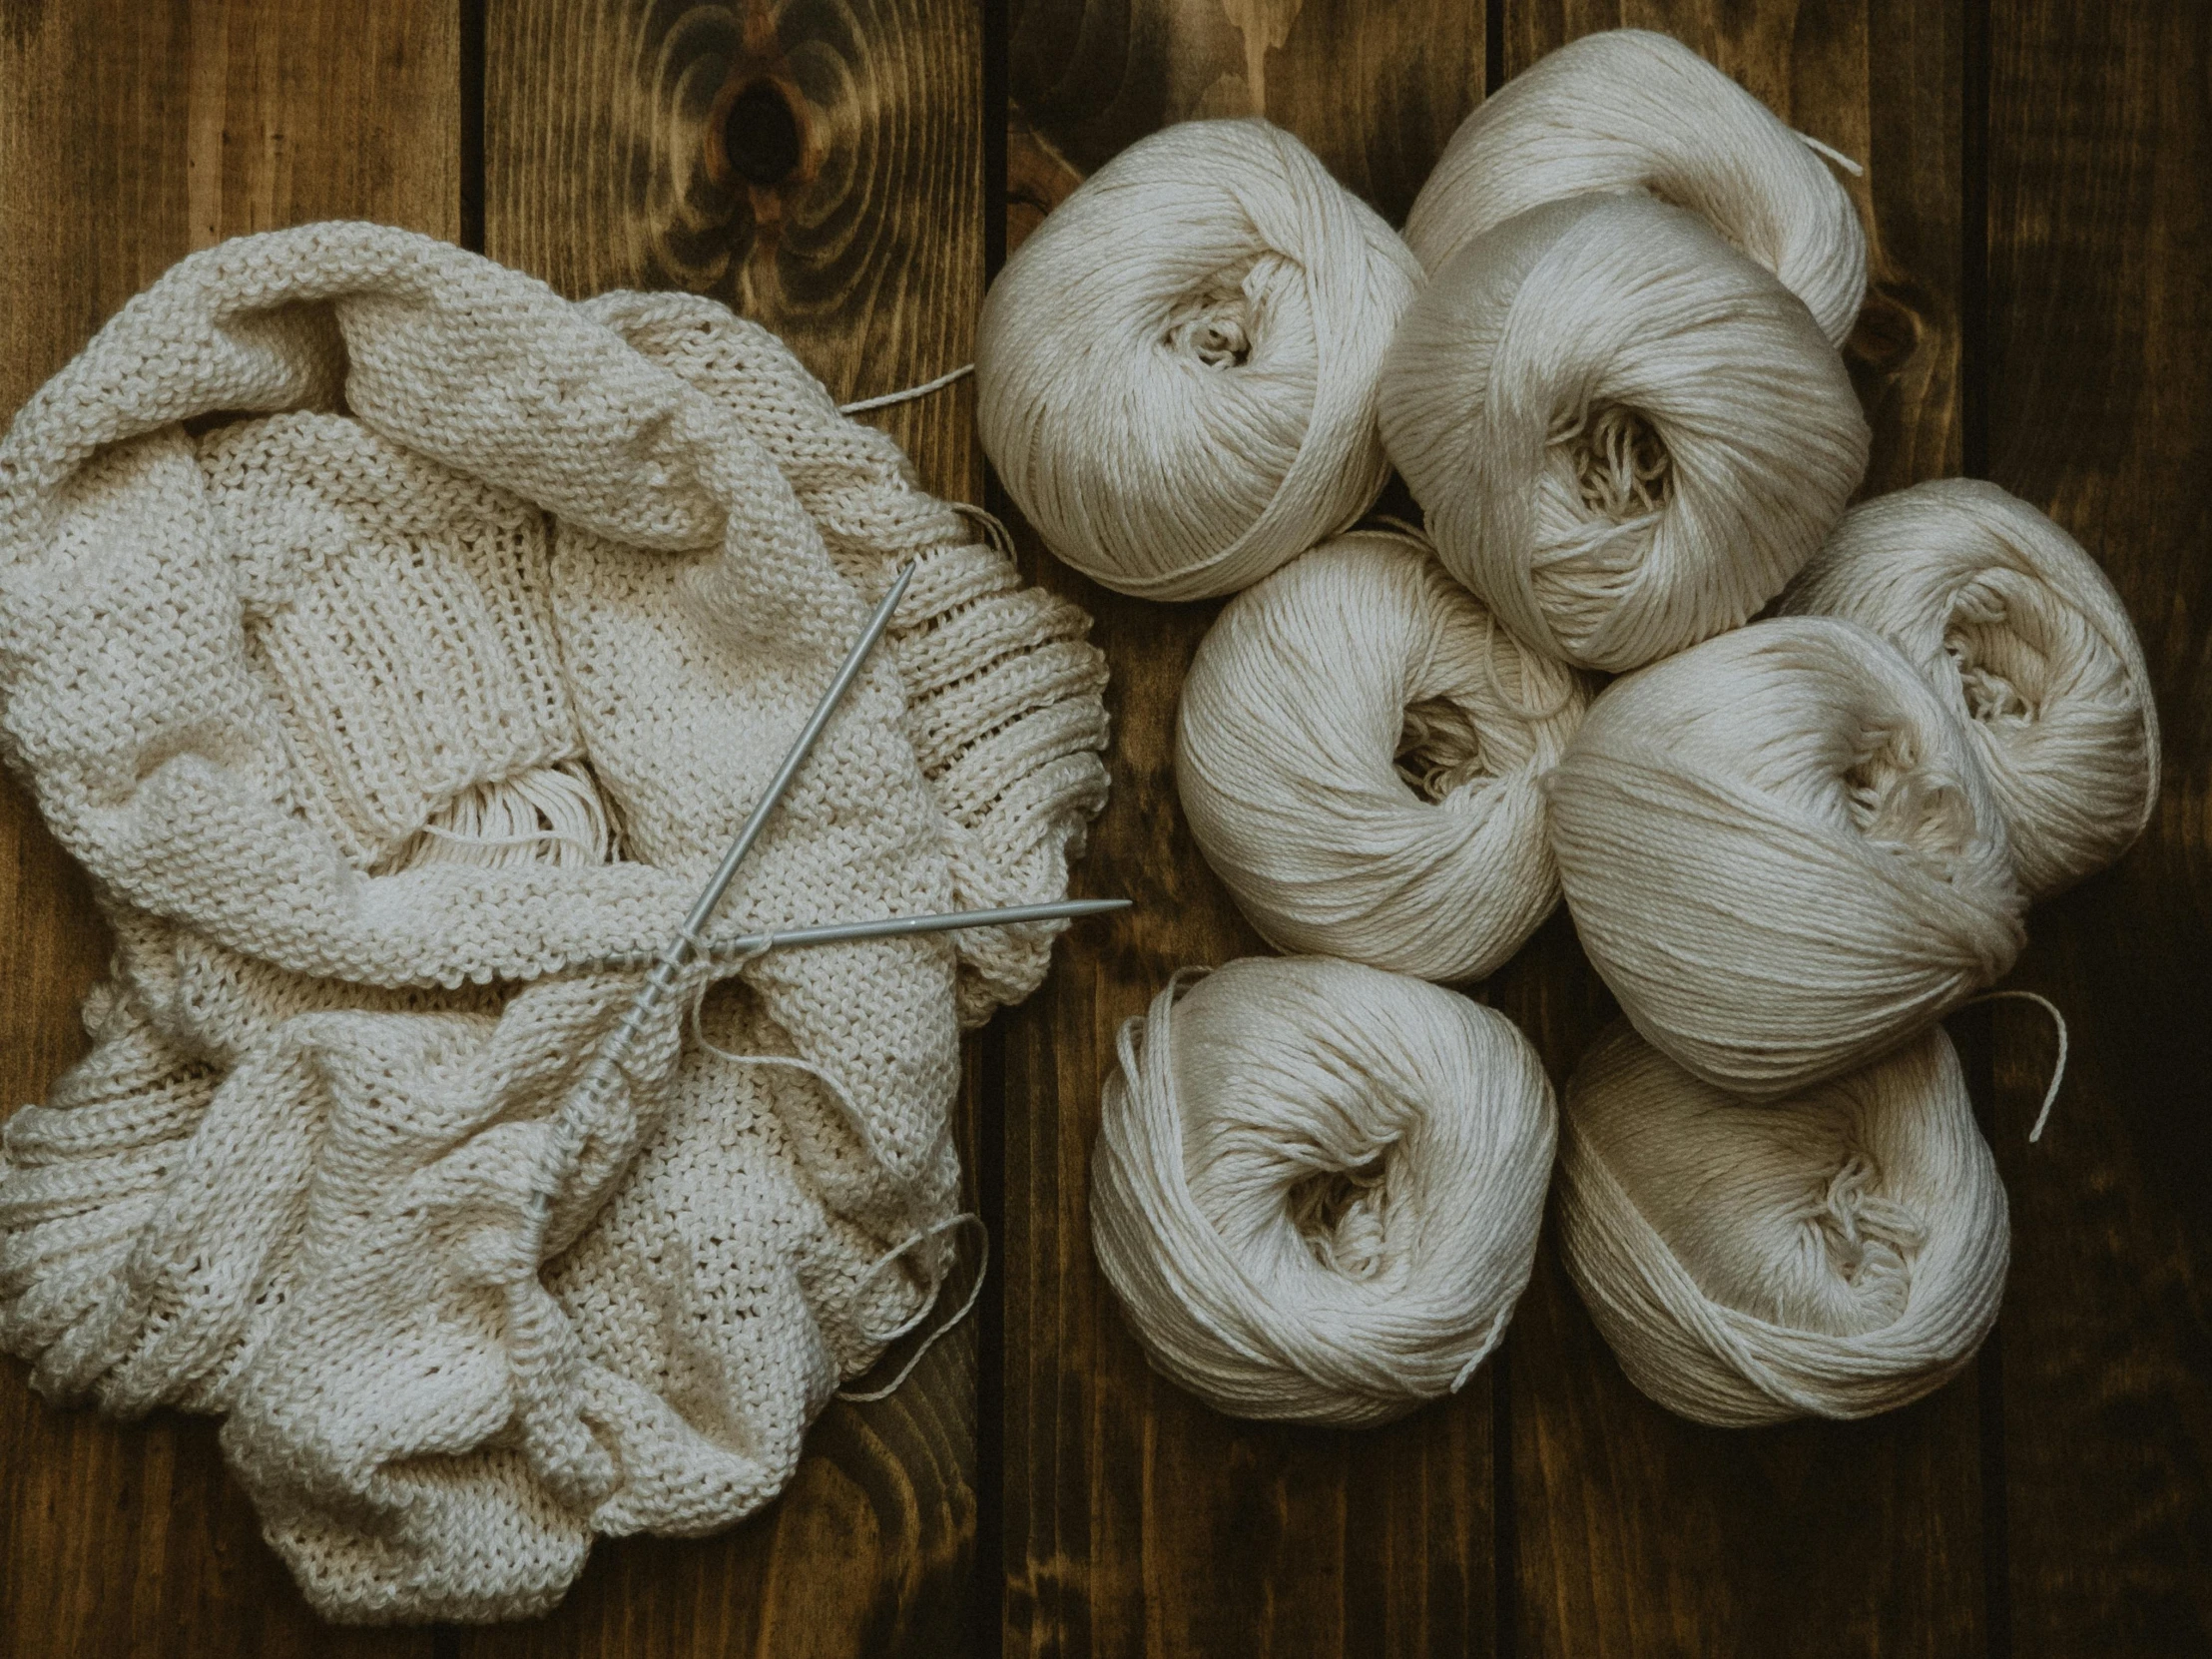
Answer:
(392, 639)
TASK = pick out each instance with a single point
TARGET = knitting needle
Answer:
(886, 927)
(604, 1074)
(750, 832)
(682, 947)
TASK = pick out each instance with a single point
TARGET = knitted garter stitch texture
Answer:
(339, 555)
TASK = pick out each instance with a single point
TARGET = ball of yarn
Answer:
(2026, 642)
(1782, 854)
(1632, 110)
(1360, 749)
(1835, 1255)
(1317, 1187)
(1627, 436)
(1176, 372)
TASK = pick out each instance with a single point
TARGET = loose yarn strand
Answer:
(968, 1305)
(2059, 1070)
(996, 533)
(557, 808)
(859, 1125)
(855, 1120)
(1513, 699)
(908, 394)
(1832, 154)
(1491, 1339)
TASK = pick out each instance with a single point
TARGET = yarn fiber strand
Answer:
(1628, 109)
(1317, 1187)
(1834, 1255)
(1359, 751)
(1176, 371)
(2025, 639)
(1627, 436)
(1782, 856)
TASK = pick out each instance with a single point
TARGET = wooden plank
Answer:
(619, 136)
(1636, 1532)
(2100, 412)
(1137, 1521)
(131, 134)
(610, 163)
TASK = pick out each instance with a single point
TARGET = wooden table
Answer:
(849, 172)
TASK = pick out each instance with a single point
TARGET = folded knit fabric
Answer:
(393, 640)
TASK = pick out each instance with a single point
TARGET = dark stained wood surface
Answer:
(2099, 377)
(2039, 224)
(617, 135)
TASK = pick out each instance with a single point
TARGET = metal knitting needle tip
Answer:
(671, 960)
(750, 830)
(891, 927)
(883, 928)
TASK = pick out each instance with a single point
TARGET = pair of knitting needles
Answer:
(604, 1074)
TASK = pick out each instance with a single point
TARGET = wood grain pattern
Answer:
(2039, 227)
(2100, 412)
(131, 134)
(1137, 1521)
(612, 161)
(1637, 1532)
(607, 165)
(1373, 89)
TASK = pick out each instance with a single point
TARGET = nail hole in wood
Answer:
(760, 135)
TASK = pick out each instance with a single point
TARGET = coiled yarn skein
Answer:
(1317, 1187)
(1782, 854)
(1359, 751)
(1627, 436)
(2025, 639)
(1176, 372)
(1632, 110)
(1837, 1254)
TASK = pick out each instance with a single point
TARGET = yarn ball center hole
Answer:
(1896, 805)
(1622, 469)
(2004, 673)
(1215, 324)
(1440, 749)
(1868, 1240)
(1341, 1215)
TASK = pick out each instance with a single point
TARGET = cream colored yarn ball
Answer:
(1782, 854)
(1360, 751)
(1627, 436)
(2026, 642)
(1835, 1255)
(1317, 1187)
(1632, 110)
(1176, 372)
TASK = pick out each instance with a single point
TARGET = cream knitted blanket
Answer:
(392, 639)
